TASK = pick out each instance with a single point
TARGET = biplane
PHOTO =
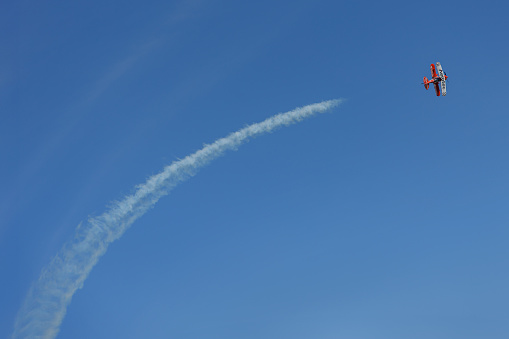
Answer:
(438, 80)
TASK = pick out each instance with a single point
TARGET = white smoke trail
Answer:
(46, 303)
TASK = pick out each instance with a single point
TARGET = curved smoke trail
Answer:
(46, 303)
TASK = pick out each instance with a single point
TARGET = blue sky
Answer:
(385, 218)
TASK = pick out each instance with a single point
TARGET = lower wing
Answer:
(437, 88)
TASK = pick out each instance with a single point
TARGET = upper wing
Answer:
(442, 78)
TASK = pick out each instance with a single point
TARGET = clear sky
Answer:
(386, 218)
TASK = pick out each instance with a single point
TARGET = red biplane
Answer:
(437, 80)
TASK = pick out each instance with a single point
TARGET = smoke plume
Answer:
(46, 302)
